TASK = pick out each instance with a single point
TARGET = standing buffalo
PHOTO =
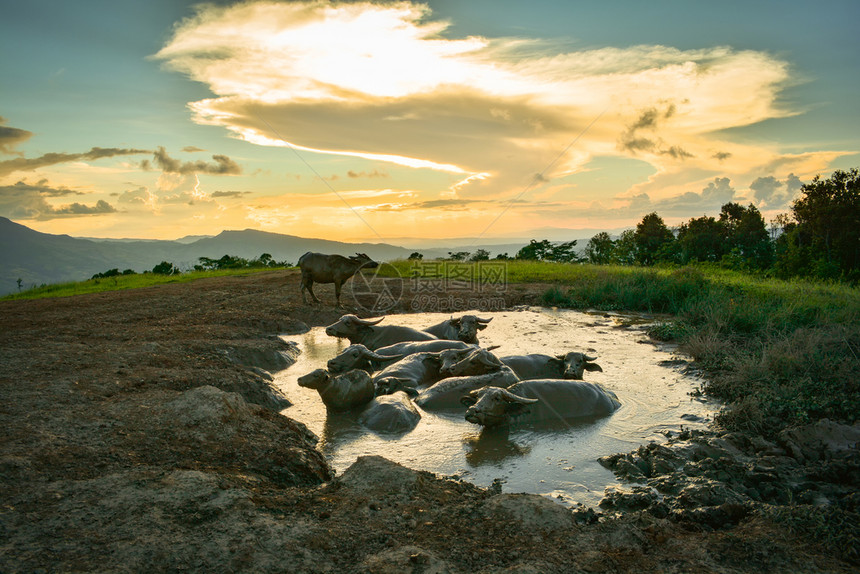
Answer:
(536, 366)
(463, 329)
(335, 269)
(538, 400)
(372, 336)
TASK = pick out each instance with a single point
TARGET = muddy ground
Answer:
(141, 434)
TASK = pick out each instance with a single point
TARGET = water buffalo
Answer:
(411, 372)
(372, 336)
(390, 413)
(337, 269)
(538, 400)
(466, 362)
(447, 393)
(569, 366)
(340, 392)
(360, 357)
(463, 329)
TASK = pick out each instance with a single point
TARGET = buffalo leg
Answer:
(308, 284)
(337, 285)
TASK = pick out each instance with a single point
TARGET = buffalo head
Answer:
(493, 406)
(350, 326)
(363, 261)
(575, 364)
(467, 362)
(468, 326)
(357, 357)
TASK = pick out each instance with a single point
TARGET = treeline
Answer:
(206, 264)
(819, 238)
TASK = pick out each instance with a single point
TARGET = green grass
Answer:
(121, 282)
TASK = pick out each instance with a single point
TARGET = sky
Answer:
(383, 120)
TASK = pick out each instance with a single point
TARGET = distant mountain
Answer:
(40, 258)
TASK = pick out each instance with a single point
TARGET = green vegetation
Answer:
(780, 352)
(121, 282)
(164, 272)
(820, 238)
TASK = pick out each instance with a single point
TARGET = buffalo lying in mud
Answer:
(340, 392)
(538, 400)
(390, 414)
(337, 269)
(358, 356)
(536, 366)
(373, 336)
(463, 329)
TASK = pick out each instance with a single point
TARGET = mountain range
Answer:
(30, 258)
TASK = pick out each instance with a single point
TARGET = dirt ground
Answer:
(140, 434)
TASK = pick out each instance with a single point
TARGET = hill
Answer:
(41, 258)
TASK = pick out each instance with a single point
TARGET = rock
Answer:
(207, 407)
(531, 511)
(406, 559)
(377, 475)
(217, 427)
(820, 441)
(272, 354)
(390, 413)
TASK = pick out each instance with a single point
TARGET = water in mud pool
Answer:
(558, 460)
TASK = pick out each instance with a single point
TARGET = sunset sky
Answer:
(384, 120)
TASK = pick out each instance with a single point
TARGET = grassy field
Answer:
(120, 282)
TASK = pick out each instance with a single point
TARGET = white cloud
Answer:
(382, 82)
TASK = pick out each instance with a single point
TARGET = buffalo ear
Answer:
(593, 367)
(482, 326)
(468, 400)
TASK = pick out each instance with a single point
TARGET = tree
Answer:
(563, 252)
(166, 268)
(480, 255)
(415, 256)
(535, 250)
(746, 235)
(545, 250)
(701, 239)
(625, 247)
(828, 223)
(458, 255)
(600, 249)
(651, 237)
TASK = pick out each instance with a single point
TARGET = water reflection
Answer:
(492, 446)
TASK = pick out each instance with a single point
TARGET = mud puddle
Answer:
(560, 460)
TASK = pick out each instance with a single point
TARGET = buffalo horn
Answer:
(370, 322)
(587, 358)
(483, 320)
(377, 357)
(511, 397)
